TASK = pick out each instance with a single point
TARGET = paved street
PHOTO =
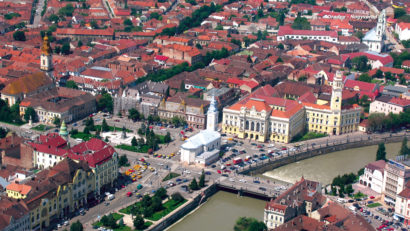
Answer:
(37, 17)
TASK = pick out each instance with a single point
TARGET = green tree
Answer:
(123, 160)
(404, 150)
(167, 137)
(105, 102)
(399, 12)
(71, 84)
(359, 35)
(155, 15)
(378, 74)
(202, 180)
(30, 113)
(134, 114)
(94, 24)
(19, 36)
(76, 226)
(104, 126)
(80, 43)
(146, 201)
(193, 185)
(360, 63)
(3, 132)
(381, 152)
(56, 121)
(148, 211)
(65, 49)
(177, 197)
(53, 18)
(161, 193)
(280, 46)
(67, 10)
(182, 86)
(127, 22)
(365, 78)
(109, 221)
(249, 224)
(86, 130)
(134, 141)
(349, 189)
(301, 23)
(139, 222)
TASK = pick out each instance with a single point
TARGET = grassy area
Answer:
(143, 149)
(169, 206)
(170, 176)
(374, 205)
(308, 136)
(112, 128)
(146, 225)
(161, 138)
(359, 195)
(116, 217)
(41, 127)
(83, 136)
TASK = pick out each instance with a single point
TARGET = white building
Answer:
(203, 148)
(402, 208)
(403, 30)
(388, 104)
(373, 176)
(286, 32)
(396, 175)
(374, 38)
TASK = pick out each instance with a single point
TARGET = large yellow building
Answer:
(333, 119)
(262, 117)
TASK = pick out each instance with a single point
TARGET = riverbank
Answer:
(316, 150)
(324, 168)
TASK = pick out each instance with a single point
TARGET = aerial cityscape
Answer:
(197, 115)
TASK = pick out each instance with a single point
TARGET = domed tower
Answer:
(212, 116)
(46, 58)
(63, 131)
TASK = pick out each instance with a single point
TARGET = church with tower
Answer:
(374, 38)
(203, 148)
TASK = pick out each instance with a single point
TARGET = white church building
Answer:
(203, 148)
(374, 38)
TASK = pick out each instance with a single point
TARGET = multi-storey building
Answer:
(402, 208)
(303, 197)
(373, 175)
(64, 103)
(264, 117)
(189, 109)
(396, 175)
(102, 158)
(333, 119)
(55, 192)
(388, 104)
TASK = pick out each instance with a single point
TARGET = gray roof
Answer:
(149, 86)
(217, 91)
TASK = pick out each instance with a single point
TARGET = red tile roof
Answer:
(287, 30)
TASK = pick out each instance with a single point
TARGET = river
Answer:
(326, 167)
(221, 211)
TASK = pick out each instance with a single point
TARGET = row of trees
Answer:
(194, 185)
(249, 224)
(382, 122)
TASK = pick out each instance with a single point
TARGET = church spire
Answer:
(212, 116)
(46, 55)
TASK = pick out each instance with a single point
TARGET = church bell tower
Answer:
(212, 116)
(46, 58)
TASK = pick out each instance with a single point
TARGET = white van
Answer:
(352, 208)
(111, 197)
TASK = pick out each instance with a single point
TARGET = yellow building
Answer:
(333, 119)
(17, 191)
(261, 117)
(55, 192)
(270, 118)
